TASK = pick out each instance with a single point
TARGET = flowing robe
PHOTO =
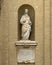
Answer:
(26, 26)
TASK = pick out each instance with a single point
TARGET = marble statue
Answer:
(26, 25)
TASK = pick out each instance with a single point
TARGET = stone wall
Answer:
(9, 30)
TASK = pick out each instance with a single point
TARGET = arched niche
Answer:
(31, 13)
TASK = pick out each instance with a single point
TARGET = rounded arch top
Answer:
(26, 6)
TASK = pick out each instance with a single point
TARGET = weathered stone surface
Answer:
(43, 30)
(26, 42)
(26, 56)
(26, 51)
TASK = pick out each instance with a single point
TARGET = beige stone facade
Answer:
(9, 30)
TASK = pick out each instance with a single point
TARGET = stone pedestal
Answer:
(26, 51)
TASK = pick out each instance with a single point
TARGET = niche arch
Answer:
(31, 13)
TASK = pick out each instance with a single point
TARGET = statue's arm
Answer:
(22, 20)
(30, 23)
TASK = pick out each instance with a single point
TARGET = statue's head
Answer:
(26, 10)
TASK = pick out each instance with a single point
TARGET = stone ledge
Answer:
(26, 42)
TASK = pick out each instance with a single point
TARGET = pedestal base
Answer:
(26, 51)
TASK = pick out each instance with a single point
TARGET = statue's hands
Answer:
(30, 23)
(24, 21)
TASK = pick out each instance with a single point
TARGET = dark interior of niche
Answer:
(31, 13)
